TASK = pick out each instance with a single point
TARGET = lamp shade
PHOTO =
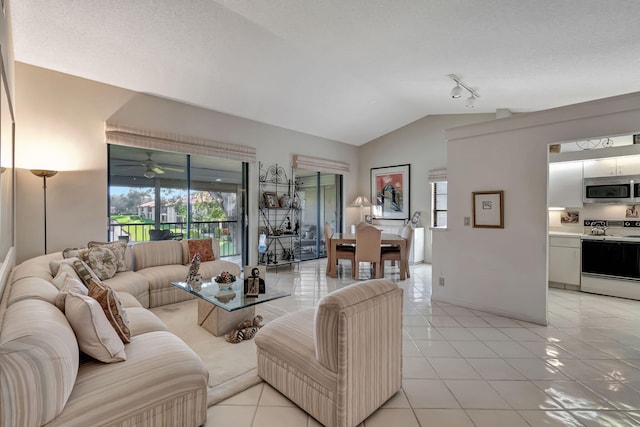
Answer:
(360, 202)
(42, 173)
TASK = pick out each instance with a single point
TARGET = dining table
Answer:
(350, 239)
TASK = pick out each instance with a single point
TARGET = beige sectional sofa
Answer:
(46, 380)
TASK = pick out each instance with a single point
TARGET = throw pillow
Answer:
(71, 284)
(202, 246)
(112, 307)
(95, 335)
(119, 249)
(73, 252)
(84, 272)
(102, 261)
(54, 264)
(65, 270)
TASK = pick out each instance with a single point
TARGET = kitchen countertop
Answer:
(612, 237)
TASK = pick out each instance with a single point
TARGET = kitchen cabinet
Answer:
(613, 166)
(564, 262)
(565, 185)
(629, 165)
(599, 167)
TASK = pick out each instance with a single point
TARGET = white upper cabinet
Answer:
(629, 165)
(565, 184)
(600, 167)
(612, 166)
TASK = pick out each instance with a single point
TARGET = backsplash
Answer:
(595, 212)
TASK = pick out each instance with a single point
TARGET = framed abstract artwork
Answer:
(390, 192)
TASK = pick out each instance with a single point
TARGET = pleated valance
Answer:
(319, 164)
(164, 141)
(437, 175)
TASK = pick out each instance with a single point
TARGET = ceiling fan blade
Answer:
(156, 169)
(169, 168)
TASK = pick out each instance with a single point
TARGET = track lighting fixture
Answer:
(471, 101)
(456, 92)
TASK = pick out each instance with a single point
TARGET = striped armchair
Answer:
(341, 361)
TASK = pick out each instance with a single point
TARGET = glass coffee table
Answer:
(221, 310)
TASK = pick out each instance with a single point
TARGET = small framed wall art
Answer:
(488, 209)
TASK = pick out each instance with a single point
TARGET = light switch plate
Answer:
(467, 220)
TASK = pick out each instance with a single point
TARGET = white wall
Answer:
(504, 271)
(60, 120)
(421, 144)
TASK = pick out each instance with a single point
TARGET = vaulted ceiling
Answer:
(347, 70)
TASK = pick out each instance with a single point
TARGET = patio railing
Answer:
(228, 233)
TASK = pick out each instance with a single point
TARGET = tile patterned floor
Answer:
(469, 368)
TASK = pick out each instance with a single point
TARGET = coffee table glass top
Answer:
(231, 298)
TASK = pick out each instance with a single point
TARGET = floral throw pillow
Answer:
(102, 261)
(118, 248)
(204, 247)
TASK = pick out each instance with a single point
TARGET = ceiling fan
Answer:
(152, 168)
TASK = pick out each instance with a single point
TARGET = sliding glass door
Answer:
(158, 195)
(321, 201)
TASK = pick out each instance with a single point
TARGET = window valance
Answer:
(142, 138)
(437, 175)
(320, 164)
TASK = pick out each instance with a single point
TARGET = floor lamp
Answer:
(361, 202)
(44, 174)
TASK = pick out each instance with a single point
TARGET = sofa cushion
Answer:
(96, 337)
(128, 300)
(39, 363)
(161, 292)
(142, 321)
(35, 267)
(204, 247)
(157, 253)
(133, 283)
(211, 269)
(32, 288)
(159, 367)
(112, 307)
(102, 261)
(71, 284)
(119, 250)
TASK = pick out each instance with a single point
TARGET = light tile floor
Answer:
(469, 368)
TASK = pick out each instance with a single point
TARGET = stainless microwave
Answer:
(612, 189)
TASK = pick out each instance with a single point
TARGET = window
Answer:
(439, 203)
(159, 195)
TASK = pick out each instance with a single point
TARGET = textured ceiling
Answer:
(347, 70)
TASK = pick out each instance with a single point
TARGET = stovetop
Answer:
(628, 223)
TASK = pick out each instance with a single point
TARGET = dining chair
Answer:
(392, 253)
(368, 240)
(342, 251)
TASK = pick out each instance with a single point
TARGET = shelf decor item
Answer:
(271, 199)
(488, 209)
(390, 192)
